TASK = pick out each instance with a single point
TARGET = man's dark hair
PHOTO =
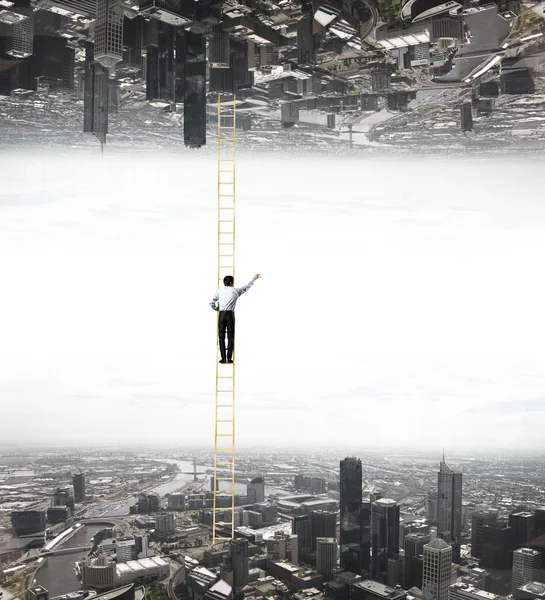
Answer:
(228, 280)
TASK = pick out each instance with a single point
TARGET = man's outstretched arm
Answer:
(215, 300)
(246, 287)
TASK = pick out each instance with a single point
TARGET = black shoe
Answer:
(229, 362)
(223, 361)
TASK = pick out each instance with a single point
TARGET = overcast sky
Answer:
(402, 302)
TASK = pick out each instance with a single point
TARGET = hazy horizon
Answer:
(400, 303)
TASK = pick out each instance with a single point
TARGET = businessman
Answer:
(225, 301)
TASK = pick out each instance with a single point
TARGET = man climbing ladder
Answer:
(225, 301)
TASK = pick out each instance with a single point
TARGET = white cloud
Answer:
(401, 302)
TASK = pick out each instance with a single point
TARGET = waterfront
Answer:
(57, 574)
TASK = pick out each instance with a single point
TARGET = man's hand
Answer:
(257, 276)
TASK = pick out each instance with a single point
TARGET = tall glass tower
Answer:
(384, 536)
(351, 515)
(449, 506)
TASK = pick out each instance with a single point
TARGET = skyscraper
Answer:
(526, 564)
(194, 87)
(539, 515)
(351, 507)
(109, 32)
(449, 506)
(238, 562)
(78, 481)
(256, 490)
(95, 100)
(326, 557)
(523, 525)
(366, 537)
(323, 523)
(384, 536)
(437, 570)
(413, 545)
(478, 521)
(301, 527)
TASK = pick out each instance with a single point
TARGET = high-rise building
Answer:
(63, 497)
(449, 507)
(478, 521)
(95, 97)
(283, 546)
(176, 502)
(109, 32)
(218, 51)
(326, 557)
(413, 545)
(437, 572)
(192, 47)
(20, 39)
(256, 490)
(384, 536)
(366, 537)
(27, 522)
(523, 525)
(465, 591)
(498, 546)
(164, 524)
(237, 563)
(526, 564)
(323, 523)
(301, 527)
(539, 521)
(351, 507)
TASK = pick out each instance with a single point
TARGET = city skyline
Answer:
(82, 342)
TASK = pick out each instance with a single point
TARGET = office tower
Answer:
(95, 97)
(194, 88)
(27, 522)
(283, 546)
(326, 557)
(466, 117)
(498, 546)
(523, 525)
(437, 570)
(176, 502)
(301, 527)
(164, 524)
(478, 521)
(53, 62)
(256, 490)
(109, 33)
(323, 523)
(366, 537)
(539, 521)
(237, 563)
(380, 79)
(63, 497)
(350, 508)
(19, 42)
(384, 536)
(449, 507)
(413, 546)
(78, 482)
(306, 48)
(526, 564)
(431, 505)
(37, 592)
(161, 71)
(218, 50)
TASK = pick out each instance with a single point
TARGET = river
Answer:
(57, 575)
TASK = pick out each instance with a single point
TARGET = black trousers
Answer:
(226, 324)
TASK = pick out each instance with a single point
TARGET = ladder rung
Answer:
(224, 449)
(225, 405)
(226, 392)
(224, 435)
(224, 420)
(228, 464)
(224, 496)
